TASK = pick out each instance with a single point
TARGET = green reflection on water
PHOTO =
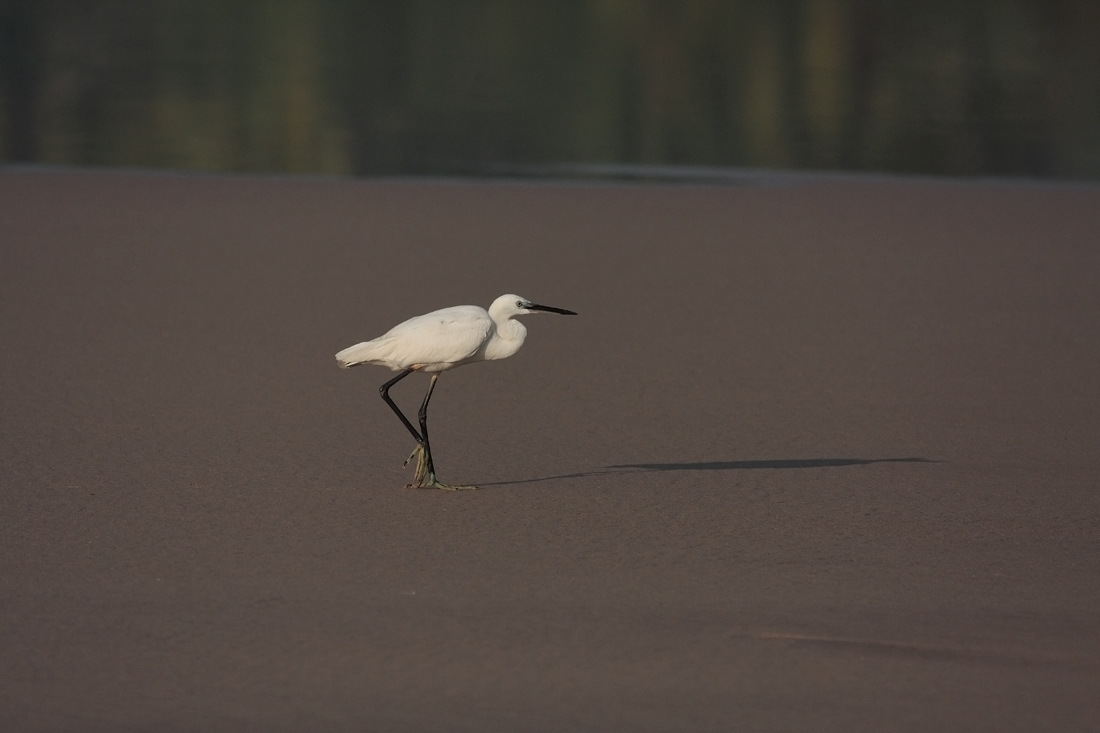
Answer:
(436, 86)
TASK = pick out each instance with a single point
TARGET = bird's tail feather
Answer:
(355, 355)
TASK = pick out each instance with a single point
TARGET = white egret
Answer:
(438, 341)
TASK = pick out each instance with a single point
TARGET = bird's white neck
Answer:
(507, 339)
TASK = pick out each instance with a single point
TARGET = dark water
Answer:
(1001, 87)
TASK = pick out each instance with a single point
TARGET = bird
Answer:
(437, 342)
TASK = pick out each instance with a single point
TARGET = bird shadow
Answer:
(777, 464)
(781, 463)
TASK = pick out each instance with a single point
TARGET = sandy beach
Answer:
(817, 454)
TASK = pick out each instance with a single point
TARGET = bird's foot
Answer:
(431, 482)
(424, 477)
(421, 457)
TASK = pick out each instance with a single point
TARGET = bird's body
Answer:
(443, 339)
(438, 341)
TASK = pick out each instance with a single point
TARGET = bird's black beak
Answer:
(549, 309)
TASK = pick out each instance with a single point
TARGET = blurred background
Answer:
(499, 87)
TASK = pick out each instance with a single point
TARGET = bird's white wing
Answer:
(441, 337)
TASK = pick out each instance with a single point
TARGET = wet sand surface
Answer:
(822, 455)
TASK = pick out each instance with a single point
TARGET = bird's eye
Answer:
(519, 303)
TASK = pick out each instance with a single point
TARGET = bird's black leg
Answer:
(423, 415)
(425, 474)
(384, 390)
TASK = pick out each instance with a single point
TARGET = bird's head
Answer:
(510, 305)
